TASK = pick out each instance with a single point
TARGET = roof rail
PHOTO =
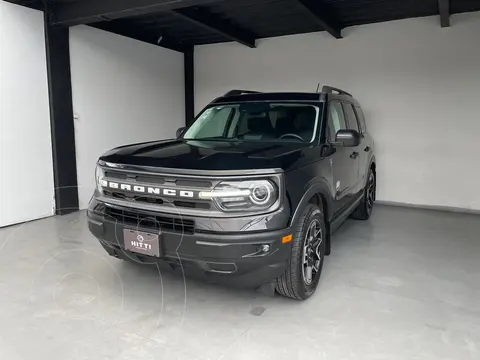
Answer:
(240, 92)
(329, 89)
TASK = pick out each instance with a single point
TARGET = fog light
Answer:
(261, 250)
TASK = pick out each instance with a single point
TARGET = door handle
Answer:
(367, 149)
(354, 155)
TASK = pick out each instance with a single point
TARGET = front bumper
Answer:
(233, 258)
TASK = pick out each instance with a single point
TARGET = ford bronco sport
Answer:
(249, 194)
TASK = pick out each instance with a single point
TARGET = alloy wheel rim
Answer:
(312, 256)
(370, 192)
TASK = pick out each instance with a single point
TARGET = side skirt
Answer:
(341, 217)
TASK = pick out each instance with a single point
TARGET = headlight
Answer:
(253, 195)
(99, 175)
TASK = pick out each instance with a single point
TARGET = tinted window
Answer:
(361, 118)
(336, 120)
(351, 117)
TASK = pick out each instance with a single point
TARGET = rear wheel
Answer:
(306, 259)
(364, 209)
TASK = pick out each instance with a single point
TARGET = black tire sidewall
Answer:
(370, 173)
(312, 213)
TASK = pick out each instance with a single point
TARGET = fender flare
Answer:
(372, 160)
(321, 188)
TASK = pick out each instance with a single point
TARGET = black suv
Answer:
(248, 194)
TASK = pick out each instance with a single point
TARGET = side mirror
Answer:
(180, 131)
(347, 138)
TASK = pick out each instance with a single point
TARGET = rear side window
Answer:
(351, 117)
(361, 118)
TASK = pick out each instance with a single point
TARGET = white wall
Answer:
(26, 172)
(124, 91)
(419, 85)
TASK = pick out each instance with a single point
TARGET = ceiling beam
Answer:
(216, 24)
(117, 27)
(444, 9)
(323, 17)
(71, 13)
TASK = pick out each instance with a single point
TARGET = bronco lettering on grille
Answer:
(143, 189)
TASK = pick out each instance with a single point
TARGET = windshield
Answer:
(257, 121)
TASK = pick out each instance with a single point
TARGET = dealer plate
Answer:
(142, 242)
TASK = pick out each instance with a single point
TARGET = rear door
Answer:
(344, 168)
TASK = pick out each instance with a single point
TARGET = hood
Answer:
(210, 155)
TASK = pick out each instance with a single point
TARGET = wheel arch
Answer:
(317, 194)
(373, 165)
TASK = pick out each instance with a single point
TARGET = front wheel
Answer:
(305, 265)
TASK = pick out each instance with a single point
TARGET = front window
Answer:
(257, 121)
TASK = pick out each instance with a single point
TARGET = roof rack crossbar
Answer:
(240, 92)
(329, 89)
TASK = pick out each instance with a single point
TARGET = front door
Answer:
(366, 146)
(343, 164)
(359, 151)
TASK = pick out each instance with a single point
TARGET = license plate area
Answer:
(142, 242)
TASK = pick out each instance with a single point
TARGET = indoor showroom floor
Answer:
(404, 285)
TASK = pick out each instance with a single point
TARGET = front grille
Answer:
(134, 198)
(140, 178)
(153, 222)
(176, 183)
(193, 183)
(157, 179)
(155, 200)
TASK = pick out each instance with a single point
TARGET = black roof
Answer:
(183, 23)
(284, 96)
(236, 96)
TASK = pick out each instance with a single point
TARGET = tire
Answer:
(294, 282)
(365, 207)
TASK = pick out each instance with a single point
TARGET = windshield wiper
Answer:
(215, 138)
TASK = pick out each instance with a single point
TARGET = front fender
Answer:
(320, 187)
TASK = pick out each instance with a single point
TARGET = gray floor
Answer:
(405, 285)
